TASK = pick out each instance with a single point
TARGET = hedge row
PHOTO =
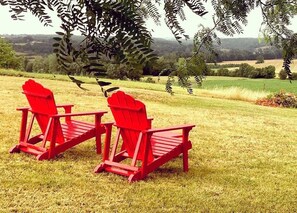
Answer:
(247, 71)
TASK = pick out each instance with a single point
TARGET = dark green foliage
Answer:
(149, 80)
(124, 71)
(268, 72)
(29, 67)
(169, 83)
(244, 70)
(8, 58)
(219, 66)
(260, 59)
(116, 71)
(282, 74)
(173, 9)
(134, 74)
(294, 76)
(223, 72)
(247, 71)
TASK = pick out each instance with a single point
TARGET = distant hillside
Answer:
(230, 49)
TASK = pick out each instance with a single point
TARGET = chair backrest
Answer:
(130, 115)
(42, 104)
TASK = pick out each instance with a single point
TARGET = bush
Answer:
(223, 72)
(245, 70)
(265, 72)
(255, 73)
(116, 71)
(294, 76)
(282, 74)
(149, 80)
(260, 59)
(268, 72)
(29, 67)
(134, 74)
(280, 99)
(211, 72)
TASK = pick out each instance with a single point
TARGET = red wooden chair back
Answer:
(42, 103)
(130, 116)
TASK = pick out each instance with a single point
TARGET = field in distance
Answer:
(278, 63)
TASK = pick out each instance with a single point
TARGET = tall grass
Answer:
(235, 93)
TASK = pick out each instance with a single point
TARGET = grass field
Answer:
(278, 63)
(244, 157)
(267, 85)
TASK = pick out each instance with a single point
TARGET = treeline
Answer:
(164, 65)
(245, 70)
(230, 49)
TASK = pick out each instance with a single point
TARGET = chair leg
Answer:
(99, 168)
(185, 161)
(135, 177)
(98, 144)
(15, 149)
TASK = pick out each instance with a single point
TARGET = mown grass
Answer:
(210, 83)
(267, 85)
(243, 158)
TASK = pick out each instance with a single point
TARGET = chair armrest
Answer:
(78, 114)
(23, 108)
(189, 126)
(149, 120)
(64, 105)
(67, 110)
(108, 124)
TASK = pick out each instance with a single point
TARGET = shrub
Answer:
(268, 72)
(211, 72)
(255, 73)
(223, 72)
(29, 67)
(280, 99)
(282, 74)
(149, 80)
(116, 71)
(134, 74)
(245, 70)
(260, 59)
(294, 76)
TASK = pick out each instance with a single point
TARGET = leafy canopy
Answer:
(8, 58)
(116, 28)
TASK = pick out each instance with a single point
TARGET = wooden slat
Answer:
(121, 166)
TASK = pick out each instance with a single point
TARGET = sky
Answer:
(31, 25)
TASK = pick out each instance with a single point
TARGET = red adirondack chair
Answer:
(146, 148)
(54, 136)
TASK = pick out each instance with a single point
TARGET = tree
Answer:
(40, 65)
(116, 28)
(8, 58)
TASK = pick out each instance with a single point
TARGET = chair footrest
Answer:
(32, 149)
(121, 166)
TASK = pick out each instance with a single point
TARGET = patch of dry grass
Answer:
(243, 159)
(278, 63)
(234, 93)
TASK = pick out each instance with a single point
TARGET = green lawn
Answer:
(269, 85)
(244, 157)
(209, 83)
